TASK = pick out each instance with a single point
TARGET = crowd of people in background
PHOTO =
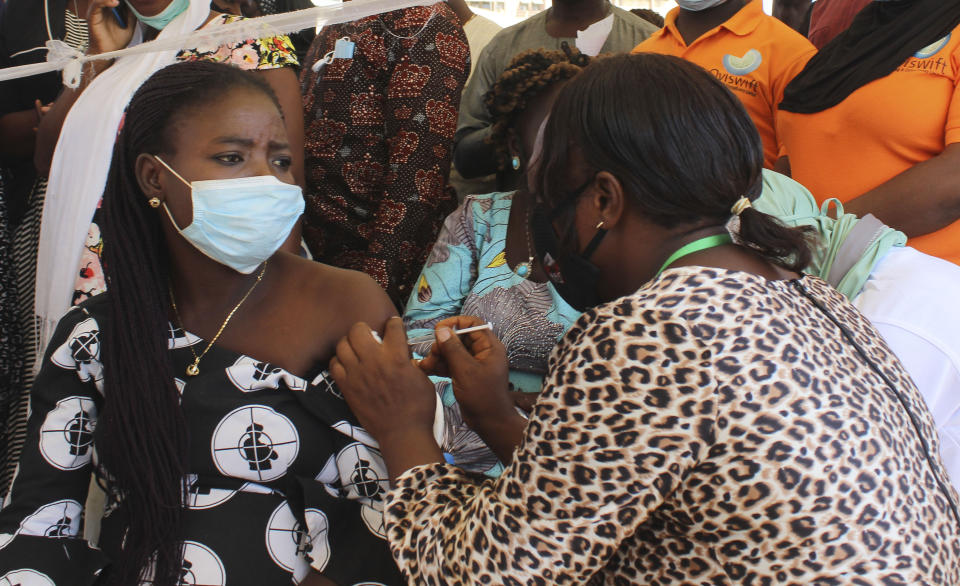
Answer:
(705, 262)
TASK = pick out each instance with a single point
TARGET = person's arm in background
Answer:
(105, 35)
(921, 200)
(18, 132)
(925, 197)
(473, 156)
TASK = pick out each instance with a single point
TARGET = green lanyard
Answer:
(696, 246)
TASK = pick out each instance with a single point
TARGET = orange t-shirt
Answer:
(753, 54)
(880, 131)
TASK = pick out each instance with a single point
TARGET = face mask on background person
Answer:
(240, 222)
(698, 5)
(158, 21)
(572, 274)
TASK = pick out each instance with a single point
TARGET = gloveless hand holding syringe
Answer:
(432, 337)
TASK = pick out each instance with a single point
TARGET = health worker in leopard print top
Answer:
(715, 416)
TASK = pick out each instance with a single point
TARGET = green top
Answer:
(848, 248)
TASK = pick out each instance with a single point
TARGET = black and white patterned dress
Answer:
(282, 478)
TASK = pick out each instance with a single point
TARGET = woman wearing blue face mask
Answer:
(62, 267)
(271, 57)
(226, 453)
(714, 417)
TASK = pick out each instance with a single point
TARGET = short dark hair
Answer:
(680, 143)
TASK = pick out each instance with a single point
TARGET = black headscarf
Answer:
(880, 39)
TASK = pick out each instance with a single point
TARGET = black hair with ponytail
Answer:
(681, 144)
(141, 437)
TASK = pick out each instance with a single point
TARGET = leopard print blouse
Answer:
(712, 428)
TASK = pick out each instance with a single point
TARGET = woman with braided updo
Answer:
(483, 261)
(520, 101)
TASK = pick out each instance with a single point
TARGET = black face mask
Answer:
(572, 274)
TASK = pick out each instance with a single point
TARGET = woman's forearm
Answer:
(19, 136)
(407, 449)
(921, 200)
(48, 132)
(503, 435)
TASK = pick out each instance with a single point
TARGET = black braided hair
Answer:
(679, 141)
(141, 438)
(523, 80)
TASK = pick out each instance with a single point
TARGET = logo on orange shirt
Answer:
(933, 49)
(745, 65)
(923, 61)
(737, 68)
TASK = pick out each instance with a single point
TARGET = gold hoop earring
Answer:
(154, 202)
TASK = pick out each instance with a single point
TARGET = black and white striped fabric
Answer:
(25, 241)
(10, 353)
(77, 35)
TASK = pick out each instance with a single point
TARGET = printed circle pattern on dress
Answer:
(81, 352)
(66, 436)
(26, 577)
(57, 520)
(249, 375)
(199, 497)
(372, 515)
(290, 544)
(362, 472)
(201, 567)
(256, 443)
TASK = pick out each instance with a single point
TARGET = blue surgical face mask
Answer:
(240, 222)
(698, 5)
(158, 21)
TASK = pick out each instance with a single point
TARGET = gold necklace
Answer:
(192, 370)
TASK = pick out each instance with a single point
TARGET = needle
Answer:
(432, 337)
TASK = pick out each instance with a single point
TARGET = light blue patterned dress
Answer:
(467, 274)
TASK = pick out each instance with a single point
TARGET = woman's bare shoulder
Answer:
(341, 293)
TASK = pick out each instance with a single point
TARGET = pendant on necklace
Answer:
(192, 370)
(522, 269)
